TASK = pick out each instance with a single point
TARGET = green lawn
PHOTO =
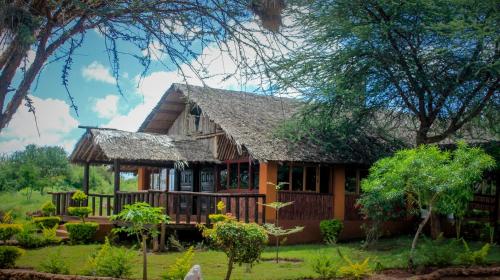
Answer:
(19, 205)
(390, 253)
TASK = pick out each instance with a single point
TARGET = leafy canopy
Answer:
(141, 218)
(371, 66)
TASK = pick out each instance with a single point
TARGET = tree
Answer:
(428, 178)
(428, 66)
(55, 29)
(142, 220)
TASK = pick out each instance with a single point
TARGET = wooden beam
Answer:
(116, 169)
(318, 175)
(86, 171)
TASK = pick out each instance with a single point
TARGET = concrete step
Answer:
(61, 232)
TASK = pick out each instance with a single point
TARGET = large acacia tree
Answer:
(36, 32)
(431, 65)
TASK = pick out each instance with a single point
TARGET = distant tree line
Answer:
(47, 168)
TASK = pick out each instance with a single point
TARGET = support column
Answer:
(339, 192)
(142, 179)
(116, 169)
(85, 185)
(268, 172)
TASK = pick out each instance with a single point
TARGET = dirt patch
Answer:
(26, 274)
(450, 273)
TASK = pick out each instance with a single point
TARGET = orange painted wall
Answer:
(268, 172)
(339, 192)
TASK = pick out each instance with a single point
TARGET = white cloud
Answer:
(98, 72)
(54, 121)
(106, 107)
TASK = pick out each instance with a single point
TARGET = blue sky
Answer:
(99, 103)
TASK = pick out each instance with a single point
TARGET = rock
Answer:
(194, 273)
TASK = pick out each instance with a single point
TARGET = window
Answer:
(196, 112)
(223, 177)
(310, 178)
(351, 180)
(324, 179)
(244, 176)
(233, 176)
(207, 180)
(297, 178)
(255, 176)
(284, 175)
(187, 180)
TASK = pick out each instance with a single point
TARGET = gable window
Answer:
(196, 113)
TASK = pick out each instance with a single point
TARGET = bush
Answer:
(50, 235)
(9, 255)
(81, 212)
(81, 233)
(48, 208)
(180, 268)
(110, 261)
(330, 230)
(439, 252)
(353, 270)
(54, 263)
(242, 243)
(46, 222)
(7, 231)
(470, 257)
(324, 266)
(28, 238)
(6, 217)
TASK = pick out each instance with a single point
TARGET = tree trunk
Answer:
(229, 268)
(163, 236)
(144, 258)
(415, 239)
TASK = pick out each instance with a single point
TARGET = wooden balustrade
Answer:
(306, 205)
(181, 207)
(351, 211)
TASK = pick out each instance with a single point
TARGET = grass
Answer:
(19, 205)
(391, 253)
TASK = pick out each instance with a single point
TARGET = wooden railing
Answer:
(181, 207)
(306, 205)
(101, 204)
(351, 211)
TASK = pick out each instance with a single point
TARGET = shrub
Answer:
(242, 243)
(79, 197)
(180, 268)
(215, 218)
(439, 252)
(48, 208)
(324, 266)
(46, 222)
(9, 255)
(28, 238)
(7, 231)
(50, 235)
(330, 230)
(7, 217)
(354, 270)
(110, 261)
(81, 233)
(470, 257)
(81, 212)
(54, 263)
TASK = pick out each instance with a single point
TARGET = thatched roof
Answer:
(104, 145)
(249, 119)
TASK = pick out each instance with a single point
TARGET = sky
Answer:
(99, 103)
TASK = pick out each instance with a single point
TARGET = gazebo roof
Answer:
(104, 145)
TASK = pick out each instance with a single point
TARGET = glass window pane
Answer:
(233, 176)
(223, 177)
(324, 180)
(297, 178)
(284, 175)
(244, 176)
(255, 176)
(350, 180)
(310, 178)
